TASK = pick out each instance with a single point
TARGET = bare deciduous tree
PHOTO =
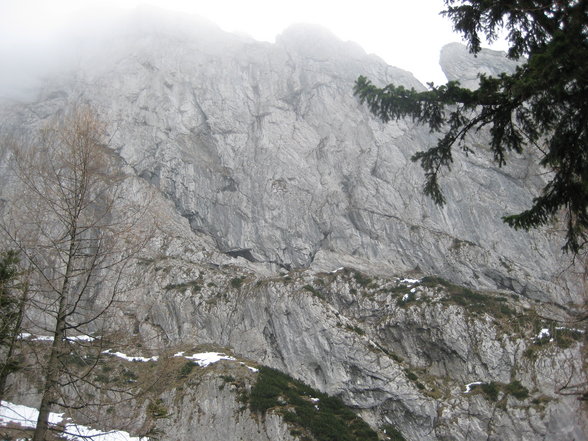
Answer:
(77, 233)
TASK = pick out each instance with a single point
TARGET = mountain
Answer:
(292, 233)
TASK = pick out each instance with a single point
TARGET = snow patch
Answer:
(543, 334)
(468, 387)
(26, 417)
(80, 338)
(251, 368)
(27, 336)
(204, 359)
(563, 328)
(410, 281)
(130, 358)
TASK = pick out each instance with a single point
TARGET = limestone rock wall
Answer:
(265, 175)
(264, 148)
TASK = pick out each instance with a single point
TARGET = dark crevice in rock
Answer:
(245, 253)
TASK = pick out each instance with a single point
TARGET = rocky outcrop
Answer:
(399, 352)
(264, 148)
(458, 64)
(265, 176)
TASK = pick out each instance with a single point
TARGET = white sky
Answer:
(405, 33)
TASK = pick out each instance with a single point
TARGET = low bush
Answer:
(325, 418)
(186, 369)
(315, 292)
(517, 390)
(237, 282)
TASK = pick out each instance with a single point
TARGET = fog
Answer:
(39, 38)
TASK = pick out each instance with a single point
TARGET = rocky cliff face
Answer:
(268, 177)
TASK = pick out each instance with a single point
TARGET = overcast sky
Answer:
(405, 33)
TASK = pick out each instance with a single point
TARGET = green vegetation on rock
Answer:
(312, 413)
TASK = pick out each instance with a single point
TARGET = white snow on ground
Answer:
(544, 333)
(130, 358)
(205, 358)
(27, 336)
(202, 359)
(252, 369)
(410, 281)
(405, 297)
(337, 270)
(80, 338)
(26, 417)
(563, 328)
(468, 388)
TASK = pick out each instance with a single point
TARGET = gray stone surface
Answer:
(458, 64)
(264, 148)
(261, 164)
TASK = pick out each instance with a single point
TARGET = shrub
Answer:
(326, 418)
(355, 329)
(517, 390)
(564, 337)
(186, 369)
(411, 375)
(315, 292)
(237, 282)
(156, 409)
(362, 280)
(490, 390)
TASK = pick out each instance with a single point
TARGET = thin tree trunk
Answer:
(53, 368)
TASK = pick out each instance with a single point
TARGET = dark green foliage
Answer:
(399, 289)
(542, 106)
(9, 300)
(414, 378)
(362, 280)
(327, 419)
(355, 329)
(564, 337)
(183, 287)
(411, 375)
(315, 292)
(474, 301)
(157, 409)
(433, 281)
(186, 369)
(491, 390)
(12, 302)
(517, 390)
(237, 282)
